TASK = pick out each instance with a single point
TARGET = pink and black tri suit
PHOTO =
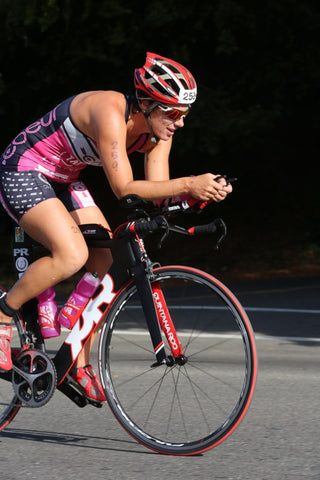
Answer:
(45, 160)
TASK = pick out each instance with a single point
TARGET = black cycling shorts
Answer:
(20, 191)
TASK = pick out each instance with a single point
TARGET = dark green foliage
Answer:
(257, 65)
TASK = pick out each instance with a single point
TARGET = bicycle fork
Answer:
(158, 317)
(166, 323)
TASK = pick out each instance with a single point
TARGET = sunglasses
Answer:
(173, 113)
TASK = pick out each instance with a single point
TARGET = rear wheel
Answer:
(9, 402)
(180, 409)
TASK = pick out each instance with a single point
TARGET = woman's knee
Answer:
(71, 260)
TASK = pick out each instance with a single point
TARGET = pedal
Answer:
(71, 389)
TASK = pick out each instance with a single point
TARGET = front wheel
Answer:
(180, 409)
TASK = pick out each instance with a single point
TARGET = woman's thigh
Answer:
(50, 224)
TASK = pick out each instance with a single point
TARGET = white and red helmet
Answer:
(164, 81)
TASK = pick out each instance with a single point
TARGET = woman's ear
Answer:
(145, 104)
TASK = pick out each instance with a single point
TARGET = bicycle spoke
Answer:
(205, 349)
(201, 390)
(199, 404)
(130, 342)
(214, 377)
(176, 399)
(159, 383)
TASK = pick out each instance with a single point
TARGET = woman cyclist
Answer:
(41, 191)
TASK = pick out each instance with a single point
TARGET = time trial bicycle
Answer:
(176, 355)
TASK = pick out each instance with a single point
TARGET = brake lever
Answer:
(164, 225)
(222, 236)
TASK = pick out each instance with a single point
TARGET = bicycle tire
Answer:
(188, 409)
(9, 402)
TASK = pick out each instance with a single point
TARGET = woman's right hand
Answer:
(205, 188)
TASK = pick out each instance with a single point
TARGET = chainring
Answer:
(34, 378)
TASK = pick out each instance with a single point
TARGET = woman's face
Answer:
(166, 120)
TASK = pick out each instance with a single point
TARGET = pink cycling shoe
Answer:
(5, 349)
(88, 381)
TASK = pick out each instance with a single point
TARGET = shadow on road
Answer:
(73, 440)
